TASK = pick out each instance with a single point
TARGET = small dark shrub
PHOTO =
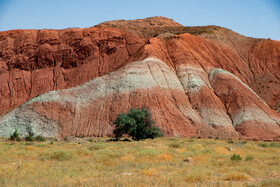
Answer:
(263, 144)
(15, 136)
(175, 145)
(249, 158)
(96, 147)
(40, 138)
(112, 140)
(126, 140)
(273, 144)
(244, 142)
(29, 143)
(155, 34)
(230, 141)
(30, 136)
(235, 157)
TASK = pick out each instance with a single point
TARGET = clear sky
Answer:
(254, 18)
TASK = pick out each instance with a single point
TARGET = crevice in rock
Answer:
(9, 87)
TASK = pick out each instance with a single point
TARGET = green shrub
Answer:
(15, 136)
(235, 157)
(137, 123)
(40, 138)
(263, 144)
(30, 136)
(273, 144)
(249, 158)
(230, 141)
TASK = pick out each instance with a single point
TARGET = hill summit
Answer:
(157, 21)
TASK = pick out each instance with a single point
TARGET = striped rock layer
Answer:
(212, 82)
(186, 102)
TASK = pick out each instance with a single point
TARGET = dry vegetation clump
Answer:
(157, 162)
(149, 32)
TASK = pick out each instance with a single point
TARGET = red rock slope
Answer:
(37, 61)
(188, 85)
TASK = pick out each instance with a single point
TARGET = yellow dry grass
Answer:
(149, 172)
(158, 162)
(221, 150)
(164, 156)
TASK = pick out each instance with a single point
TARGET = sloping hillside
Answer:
(197, 81)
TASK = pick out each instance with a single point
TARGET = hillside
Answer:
(197, 81)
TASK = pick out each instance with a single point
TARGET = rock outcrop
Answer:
(210, 83)
(37, 61)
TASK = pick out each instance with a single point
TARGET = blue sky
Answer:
(254, 18)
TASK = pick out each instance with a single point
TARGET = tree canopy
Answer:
(137, 123)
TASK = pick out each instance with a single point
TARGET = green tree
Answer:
(137, 123)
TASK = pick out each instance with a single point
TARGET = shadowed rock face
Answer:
(194, 85)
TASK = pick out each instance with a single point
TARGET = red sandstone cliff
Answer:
(186, 92)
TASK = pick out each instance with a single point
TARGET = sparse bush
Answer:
(155, 35)
(57, 155)
(30, 136)
(137, 123)
(15, 136)
(249, 158)
(96, 147)
(263, 145)
(244, 142)
(235, 157)
(273, 144)
(175, 145)
(29, 143)
(230, 141)
(40, 138)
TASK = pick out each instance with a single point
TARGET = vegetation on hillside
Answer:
(149, 32)
(137, 123)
